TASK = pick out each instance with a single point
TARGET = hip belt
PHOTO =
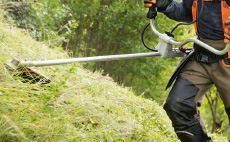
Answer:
(203, 55)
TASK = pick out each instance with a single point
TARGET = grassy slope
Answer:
(77, 106)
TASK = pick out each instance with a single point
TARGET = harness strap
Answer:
(225, 10)
(194, 14)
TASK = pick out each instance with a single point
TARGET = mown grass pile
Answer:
(77, 106)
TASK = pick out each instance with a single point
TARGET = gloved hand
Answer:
(227, 31)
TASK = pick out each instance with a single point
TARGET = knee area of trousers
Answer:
(173, 105)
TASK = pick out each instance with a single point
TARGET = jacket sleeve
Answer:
(179, 11)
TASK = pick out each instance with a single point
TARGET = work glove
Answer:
(227, 31)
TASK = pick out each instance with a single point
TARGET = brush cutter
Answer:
(167, 48)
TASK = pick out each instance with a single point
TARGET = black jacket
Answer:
(210, 22)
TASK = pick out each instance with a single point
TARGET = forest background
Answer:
(86, 28)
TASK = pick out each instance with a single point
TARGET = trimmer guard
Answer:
(32, 75)
(179, 68)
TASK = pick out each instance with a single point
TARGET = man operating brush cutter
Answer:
(203, 69)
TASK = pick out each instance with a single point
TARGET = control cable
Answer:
(170, 33)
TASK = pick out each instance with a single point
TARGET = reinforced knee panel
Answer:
(181, 109)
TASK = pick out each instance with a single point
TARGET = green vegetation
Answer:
(93, 28)
(77, 106)
(80, 105)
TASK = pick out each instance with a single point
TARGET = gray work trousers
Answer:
(194, 80)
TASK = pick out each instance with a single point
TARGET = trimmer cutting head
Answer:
(32, 75)
(29, 74)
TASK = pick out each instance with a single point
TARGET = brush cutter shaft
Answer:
(85, 59)
(164, 48)
(170, 40)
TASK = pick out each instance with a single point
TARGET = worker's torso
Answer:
(210, 22)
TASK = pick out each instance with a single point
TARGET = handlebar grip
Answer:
(152, 13)
(151, 4)
(171, 41)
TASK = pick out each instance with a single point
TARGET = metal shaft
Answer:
(84, 59)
